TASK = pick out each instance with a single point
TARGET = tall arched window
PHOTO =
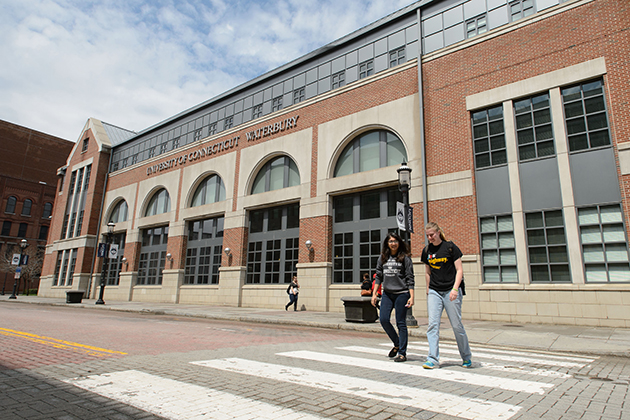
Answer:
(47, 210)
(26, 207)
(276, 174)
(119, 213)
(160, 203)
(11, 202)
(372, 150)
(211, 190)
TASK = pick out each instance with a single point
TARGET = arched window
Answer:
(211, 190)
(160, 203)
(372, 150)
(26, 207)
(11, 202)
(47, 210)
(119, 213)
(276, 174)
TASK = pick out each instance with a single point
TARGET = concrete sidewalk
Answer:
(541, 337)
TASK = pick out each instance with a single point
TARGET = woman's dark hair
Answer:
(403, 248)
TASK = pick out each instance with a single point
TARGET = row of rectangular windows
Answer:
(602, 236)
(22, 230)
(27, 206)
(585, 118)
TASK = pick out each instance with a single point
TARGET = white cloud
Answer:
(133, 64)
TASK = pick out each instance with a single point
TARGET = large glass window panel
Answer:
(488, 135)
(345, 163)
(159, 203)
(596, 273)
(211, 190)
(361, 222)
(619, 272)
(586, 116)
(533, 127)
(371, 150)
(273, 249)
(604, 243)
(593, 253)
(498, 252)
(508, 257)
(546, 243)
(276, 174)
(506, 240)
(395, 150)
(119, 213)
(370, 205)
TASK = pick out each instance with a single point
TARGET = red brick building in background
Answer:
(28, 184)
(515, 124)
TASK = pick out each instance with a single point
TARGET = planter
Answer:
(359, 309)
(74, 296)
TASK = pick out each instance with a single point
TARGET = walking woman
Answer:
(445, 290)
(293, 290)
(394, 270)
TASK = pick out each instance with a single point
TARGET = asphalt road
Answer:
(72, 363)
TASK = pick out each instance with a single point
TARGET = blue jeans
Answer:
(436, 303)
(398, 301)
(292, 301)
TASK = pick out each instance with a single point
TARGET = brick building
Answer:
(28, 184)
(515, 126)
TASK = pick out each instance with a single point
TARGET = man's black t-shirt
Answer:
(441, 259)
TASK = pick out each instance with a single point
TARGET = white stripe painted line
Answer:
(491, 366)
(179, 400)
(555, 356)
(468, 408)
(516, 385)
(534, 359)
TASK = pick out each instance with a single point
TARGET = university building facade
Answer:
(513, 115)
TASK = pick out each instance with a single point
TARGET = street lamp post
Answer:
(23, 245)
(110, 234)
(404, 185)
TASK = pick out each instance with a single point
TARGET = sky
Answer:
(134, 63)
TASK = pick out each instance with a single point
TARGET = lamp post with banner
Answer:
(21, 260)
(404, 185)
(104, 251)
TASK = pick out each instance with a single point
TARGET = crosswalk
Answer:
(519, 373)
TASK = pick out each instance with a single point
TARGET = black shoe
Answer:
(400, 358)
(286, 308)
(393, 352)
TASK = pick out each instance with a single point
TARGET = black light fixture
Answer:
(110, 235)
(404, 185)
(23, 245)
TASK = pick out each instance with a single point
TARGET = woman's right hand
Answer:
(374, 300)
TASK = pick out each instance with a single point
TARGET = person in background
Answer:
(366, 285)
(445, 291)
(394, 270)
(293, 290)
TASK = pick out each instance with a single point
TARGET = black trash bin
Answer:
(74, 296)
(359, 309)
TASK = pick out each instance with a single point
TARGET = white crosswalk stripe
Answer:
(467, 408)
(491, 366)
(522, 357)
(179, 400)
(507, 384)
